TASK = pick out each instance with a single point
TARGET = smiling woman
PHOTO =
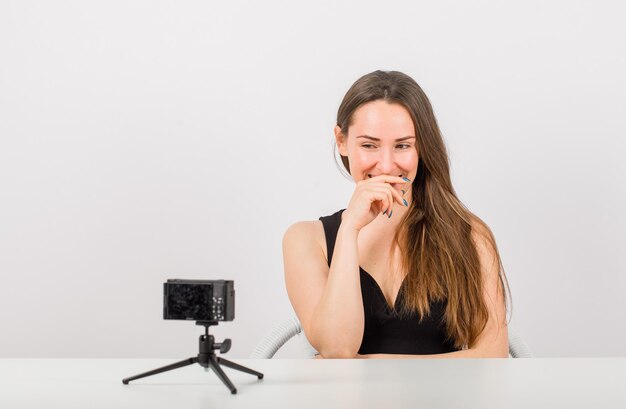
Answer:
(406, 270)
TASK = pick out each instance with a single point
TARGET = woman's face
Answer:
(380, 141)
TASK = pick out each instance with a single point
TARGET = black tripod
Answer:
(206, 358)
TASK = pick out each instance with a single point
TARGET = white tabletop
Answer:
(431, 383)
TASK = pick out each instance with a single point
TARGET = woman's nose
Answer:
(386, 162)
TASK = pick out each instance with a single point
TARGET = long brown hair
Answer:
(435, 236)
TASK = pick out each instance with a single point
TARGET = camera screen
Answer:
(189, 302)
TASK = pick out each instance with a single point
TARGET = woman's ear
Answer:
(340, 140)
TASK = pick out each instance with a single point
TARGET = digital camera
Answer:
(199, 300)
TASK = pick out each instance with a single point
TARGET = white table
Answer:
(481, 383)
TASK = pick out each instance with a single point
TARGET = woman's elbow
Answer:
(339, 353)
(334, 349)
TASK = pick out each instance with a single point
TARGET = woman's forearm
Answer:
(466, 353)
(338, 321)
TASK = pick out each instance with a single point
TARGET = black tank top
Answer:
(386, 332)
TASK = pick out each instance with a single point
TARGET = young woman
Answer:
(405, 271)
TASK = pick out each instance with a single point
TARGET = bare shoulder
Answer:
(486, 248)
(305, 234)
(482, 236)
(304, 228)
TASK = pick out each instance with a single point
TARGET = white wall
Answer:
(145, 140)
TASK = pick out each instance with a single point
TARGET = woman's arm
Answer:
(467, 353)
(328, 302)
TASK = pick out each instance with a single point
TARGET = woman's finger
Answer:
(383, 192)
(380, 196)
(390, 212)
(390, 179)
(395, 195)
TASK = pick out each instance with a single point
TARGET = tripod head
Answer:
(207, 342)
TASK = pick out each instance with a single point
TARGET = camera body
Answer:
(199, 300)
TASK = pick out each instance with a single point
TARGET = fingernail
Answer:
(390, 213)
(385, 212)
(403, 192)
(405, 203)
(406, 179)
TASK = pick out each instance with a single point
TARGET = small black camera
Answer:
(199, 300)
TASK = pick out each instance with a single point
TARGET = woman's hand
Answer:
(372, 197)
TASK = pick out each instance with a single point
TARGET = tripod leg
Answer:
(238, 367)
(213, 364)
(176, 365)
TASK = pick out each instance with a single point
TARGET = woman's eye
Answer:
(404, 146)
(368, 146)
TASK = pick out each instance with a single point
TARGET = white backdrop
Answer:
(145, 140)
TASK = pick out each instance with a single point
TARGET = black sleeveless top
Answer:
(386, 332)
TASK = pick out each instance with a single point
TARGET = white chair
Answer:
(280, 334)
